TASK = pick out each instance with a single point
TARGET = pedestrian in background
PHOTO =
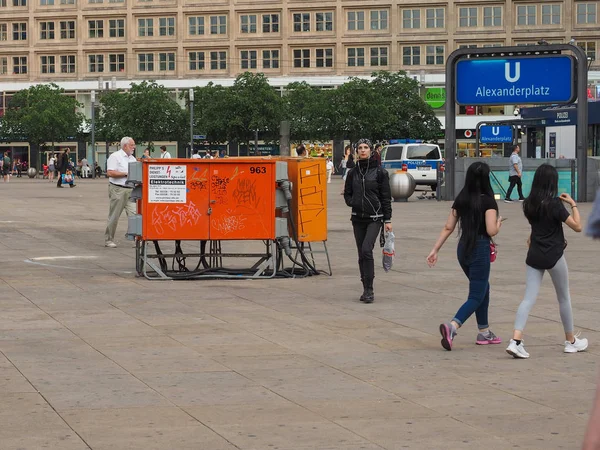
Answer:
(62, 165)
(367, 191)
(329, 167)
(6, 167)
(515, 175)
(301, 151)
(51, 167)
(119, 194)
(146, 154)
(347, 164)
(546, 214)
(475, 211)
(164, 154)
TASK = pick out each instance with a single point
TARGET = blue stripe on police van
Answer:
(409, 164)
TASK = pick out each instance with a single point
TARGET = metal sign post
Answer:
(538, 74)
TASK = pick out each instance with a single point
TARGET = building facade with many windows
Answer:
(86, 45)
(56, 40)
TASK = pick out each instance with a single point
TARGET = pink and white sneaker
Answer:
(488, 338)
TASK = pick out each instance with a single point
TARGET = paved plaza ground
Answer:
(92, 356)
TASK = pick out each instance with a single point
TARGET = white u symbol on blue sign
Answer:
(495, 131)
(507, 75)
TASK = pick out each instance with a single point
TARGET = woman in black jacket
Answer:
(367, 191)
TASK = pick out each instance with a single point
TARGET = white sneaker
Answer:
(517, 351)
(110, 244)
(578, 346)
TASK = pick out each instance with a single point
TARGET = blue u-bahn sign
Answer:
(496, 134)
(516, 80)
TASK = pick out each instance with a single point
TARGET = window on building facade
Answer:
(19, 2)
(435, 17)
(526, 14)
(249, 59)
(46, 30)
(586, 13)
(145, 62)
(551, 14)
(116, 62)
(2, 3)
(379, 56)
(411, 19)
(19, 65)
(116, 1)
(324, 57)
(270, 23)
(196, 26)
(301, 22)
(356, 57)
(116, 28)
(166, 62)
(324, 21)
(411, 55)
(218, 60)
(95, 63)
(356, 20)
(467, 17)
(95, 1)
(196, 60)
(67, 64)
(96, 28)
(589, 47)
(270, 59)
(379, 20)
(67, 2)
(3, 32)
(434, 55)
(19, 31)
(301, 58)
(46, 2)
(3, 65)
(145, 27)
(218, 24)
(47, 64)
(492, 16)
(495, 44)
(67, 29)
(166, 26)
(248, 23)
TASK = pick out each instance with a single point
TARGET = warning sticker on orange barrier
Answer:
(167, 184)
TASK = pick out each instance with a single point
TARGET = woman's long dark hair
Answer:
(544, 190)
(468, 203)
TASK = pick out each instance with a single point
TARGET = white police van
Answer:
(420, 160)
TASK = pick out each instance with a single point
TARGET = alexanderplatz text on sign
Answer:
(542, 74)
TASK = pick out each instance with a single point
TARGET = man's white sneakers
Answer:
(110, 244)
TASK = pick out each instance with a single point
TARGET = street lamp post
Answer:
(93, 96)
(191, 122)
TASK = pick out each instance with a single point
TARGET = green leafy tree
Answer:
(41, 114)
(151, 113)
(306, 109)
(110, 116)
(252, 104)
(405, 113)
(354, 110)
(211, 112)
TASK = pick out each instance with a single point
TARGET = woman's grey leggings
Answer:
(560, 278)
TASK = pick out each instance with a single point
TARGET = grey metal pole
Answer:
(93, 94)
(450, 128)
(256, 142)
(191, 98)
(573, 174)
(582, 123)
(191, 129)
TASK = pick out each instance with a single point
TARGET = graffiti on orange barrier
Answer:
(174, 218)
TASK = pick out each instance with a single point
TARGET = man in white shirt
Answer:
(329, 167)
(164, 154)
(196, 155)
(117, 169)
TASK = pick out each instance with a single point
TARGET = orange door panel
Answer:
(242, 199)
(172, 210)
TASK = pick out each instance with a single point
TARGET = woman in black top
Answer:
(367, 191)
(546, 214)
(476, 212)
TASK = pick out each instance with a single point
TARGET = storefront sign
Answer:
(435, 97)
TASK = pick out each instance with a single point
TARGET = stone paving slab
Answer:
(91, 356)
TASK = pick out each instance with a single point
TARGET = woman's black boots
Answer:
(368, 295)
